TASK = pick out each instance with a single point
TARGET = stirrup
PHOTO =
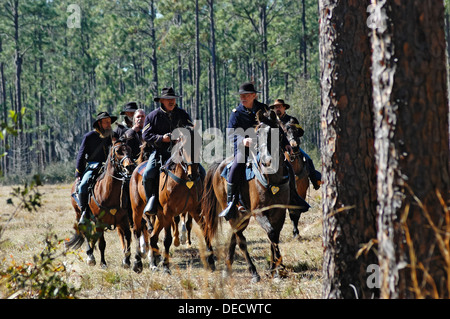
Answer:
(150, 208)
(229, 211)
(85, 218)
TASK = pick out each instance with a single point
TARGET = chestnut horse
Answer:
(108, 203)
(265, 197)
(301, 170)
(180, 189)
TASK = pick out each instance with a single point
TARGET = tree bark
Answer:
(412, 146)
(349, 197)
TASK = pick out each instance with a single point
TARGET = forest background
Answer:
(62, 62)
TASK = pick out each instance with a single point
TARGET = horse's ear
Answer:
(259, 116)
(273, 116)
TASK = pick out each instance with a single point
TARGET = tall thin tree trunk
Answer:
(153, 59)
(197, 64)
(303, 40)
(264, 63)
(214, 99)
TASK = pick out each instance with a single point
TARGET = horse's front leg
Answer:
(295, 216)
(138, 235)
(102, 247)
(154, 255)
(90, 252)
(276, 259)
(176, 231)
(167, 244)
(125, 239)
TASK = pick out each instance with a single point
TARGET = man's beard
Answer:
(106, 132)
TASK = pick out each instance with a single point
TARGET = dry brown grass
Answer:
(24, 237)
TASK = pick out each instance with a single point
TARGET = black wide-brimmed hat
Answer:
(247, 87)
(280, 102)
(129, 107)
(101, 116)
(166, 93)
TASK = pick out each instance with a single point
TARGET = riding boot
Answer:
(84, 206)
(314, 176)
(295, 198)
(232, 200)
(151, 195)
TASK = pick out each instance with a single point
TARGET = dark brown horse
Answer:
(108, 203)
(301, 170)
(265, 197)
(180, 189)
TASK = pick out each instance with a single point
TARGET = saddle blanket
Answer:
(249, 174)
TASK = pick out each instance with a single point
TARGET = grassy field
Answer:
(24, 237)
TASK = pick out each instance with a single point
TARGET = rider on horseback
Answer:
(93, 153)
(280, 108)
(244, 117)
(158, 126)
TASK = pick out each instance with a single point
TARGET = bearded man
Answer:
(93, 153)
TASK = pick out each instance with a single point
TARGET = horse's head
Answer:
(267, 122)
(293, 133)
(186, 150)
(120, 156)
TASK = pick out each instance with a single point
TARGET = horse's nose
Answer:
(129, 165)
(293, 143)
(266, 159)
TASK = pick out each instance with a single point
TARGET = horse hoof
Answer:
(256, 278)
(176, 242)
(137, 267)
(126, 266)
(104, 266)
(91, 261)
(166, 270)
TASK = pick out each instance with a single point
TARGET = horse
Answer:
(108, 203)
(301, 170)
(265, 197)
(180, 189)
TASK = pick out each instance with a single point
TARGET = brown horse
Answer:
(180, 189)
(264, 197)
(301, 170)
(108, 203)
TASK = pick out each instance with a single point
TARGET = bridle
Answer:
(121, 170)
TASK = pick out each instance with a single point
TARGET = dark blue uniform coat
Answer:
(159, 122)
(93, 149)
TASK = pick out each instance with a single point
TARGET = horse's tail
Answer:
(75, 242)
(209, 203)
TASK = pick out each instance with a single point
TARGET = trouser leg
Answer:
(83, 196)
(150, 181)
(295, 198)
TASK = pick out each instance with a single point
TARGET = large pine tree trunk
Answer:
(349, 198)
(412, 145)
